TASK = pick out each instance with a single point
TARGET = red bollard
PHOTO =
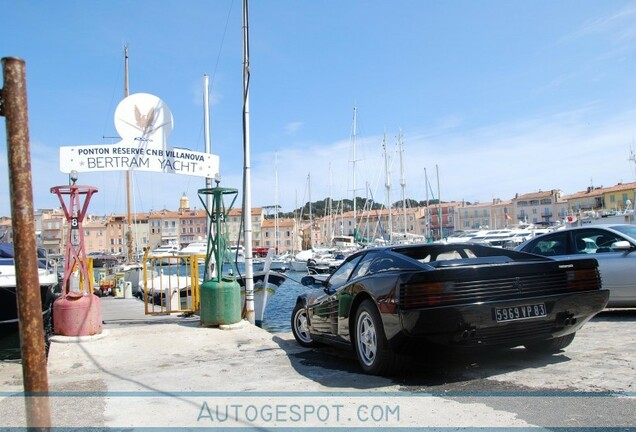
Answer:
(78, 312)
(77, 315)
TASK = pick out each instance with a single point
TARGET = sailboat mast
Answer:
(206, 137)
(129, 239)
(276, 203)
(428, 212)
(355, 219)
(387, 184)
(402, 182)
(330, 229)
(247, 192)
(439, 206)
(311, 220)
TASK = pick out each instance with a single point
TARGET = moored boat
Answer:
(166, 254)
(8, 287)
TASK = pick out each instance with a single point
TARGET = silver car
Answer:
(613, 246)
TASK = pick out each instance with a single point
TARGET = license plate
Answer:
(515, 313)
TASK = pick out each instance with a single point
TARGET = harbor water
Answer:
(279, 307)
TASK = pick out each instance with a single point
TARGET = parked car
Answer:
(386, 302)
(613, 246)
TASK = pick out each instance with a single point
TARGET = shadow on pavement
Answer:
(616, 315)
(442, 369)
(329, 366)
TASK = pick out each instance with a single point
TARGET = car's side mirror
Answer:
(622, 245)
(328, 289)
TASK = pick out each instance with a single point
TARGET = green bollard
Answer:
(220, 302)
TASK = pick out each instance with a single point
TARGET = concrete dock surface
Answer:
(170, 372)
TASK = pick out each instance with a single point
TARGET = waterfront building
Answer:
(235, 226)
(587, 200)
(193, 223)
(164, 227)
(540, 208)
(619, 197)
(475, 216)
(490, 215)
(439, 220)
(599, 199)
(52, 231)
(288, 239)
(95, 235)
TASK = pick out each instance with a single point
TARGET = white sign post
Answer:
(144, 123)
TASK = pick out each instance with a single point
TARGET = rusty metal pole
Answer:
(13, 106)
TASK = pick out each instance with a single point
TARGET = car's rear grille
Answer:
(513, 332)
(424, 294)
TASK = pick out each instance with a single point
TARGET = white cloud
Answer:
(293, 127)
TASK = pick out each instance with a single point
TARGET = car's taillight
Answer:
(583, 279)
(423, 294)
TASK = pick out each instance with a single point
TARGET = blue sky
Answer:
(503, 97)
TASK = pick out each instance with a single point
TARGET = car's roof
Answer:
(607, 226)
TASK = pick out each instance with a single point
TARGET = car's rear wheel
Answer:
(553, 345)
(371, 346)
(300, 326)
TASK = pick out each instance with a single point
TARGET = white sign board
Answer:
(144, 123)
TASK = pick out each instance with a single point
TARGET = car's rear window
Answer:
(628, 230)
(426, 255)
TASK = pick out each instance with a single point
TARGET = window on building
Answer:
(612, 198)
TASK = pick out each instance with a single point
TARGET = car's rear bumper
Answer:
(475, 324)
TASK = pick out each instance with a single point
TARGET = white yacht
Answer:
(8, 303)
(196, 248)
(166, 254)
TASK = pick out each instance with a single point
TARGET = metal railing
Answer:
(171, 283)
